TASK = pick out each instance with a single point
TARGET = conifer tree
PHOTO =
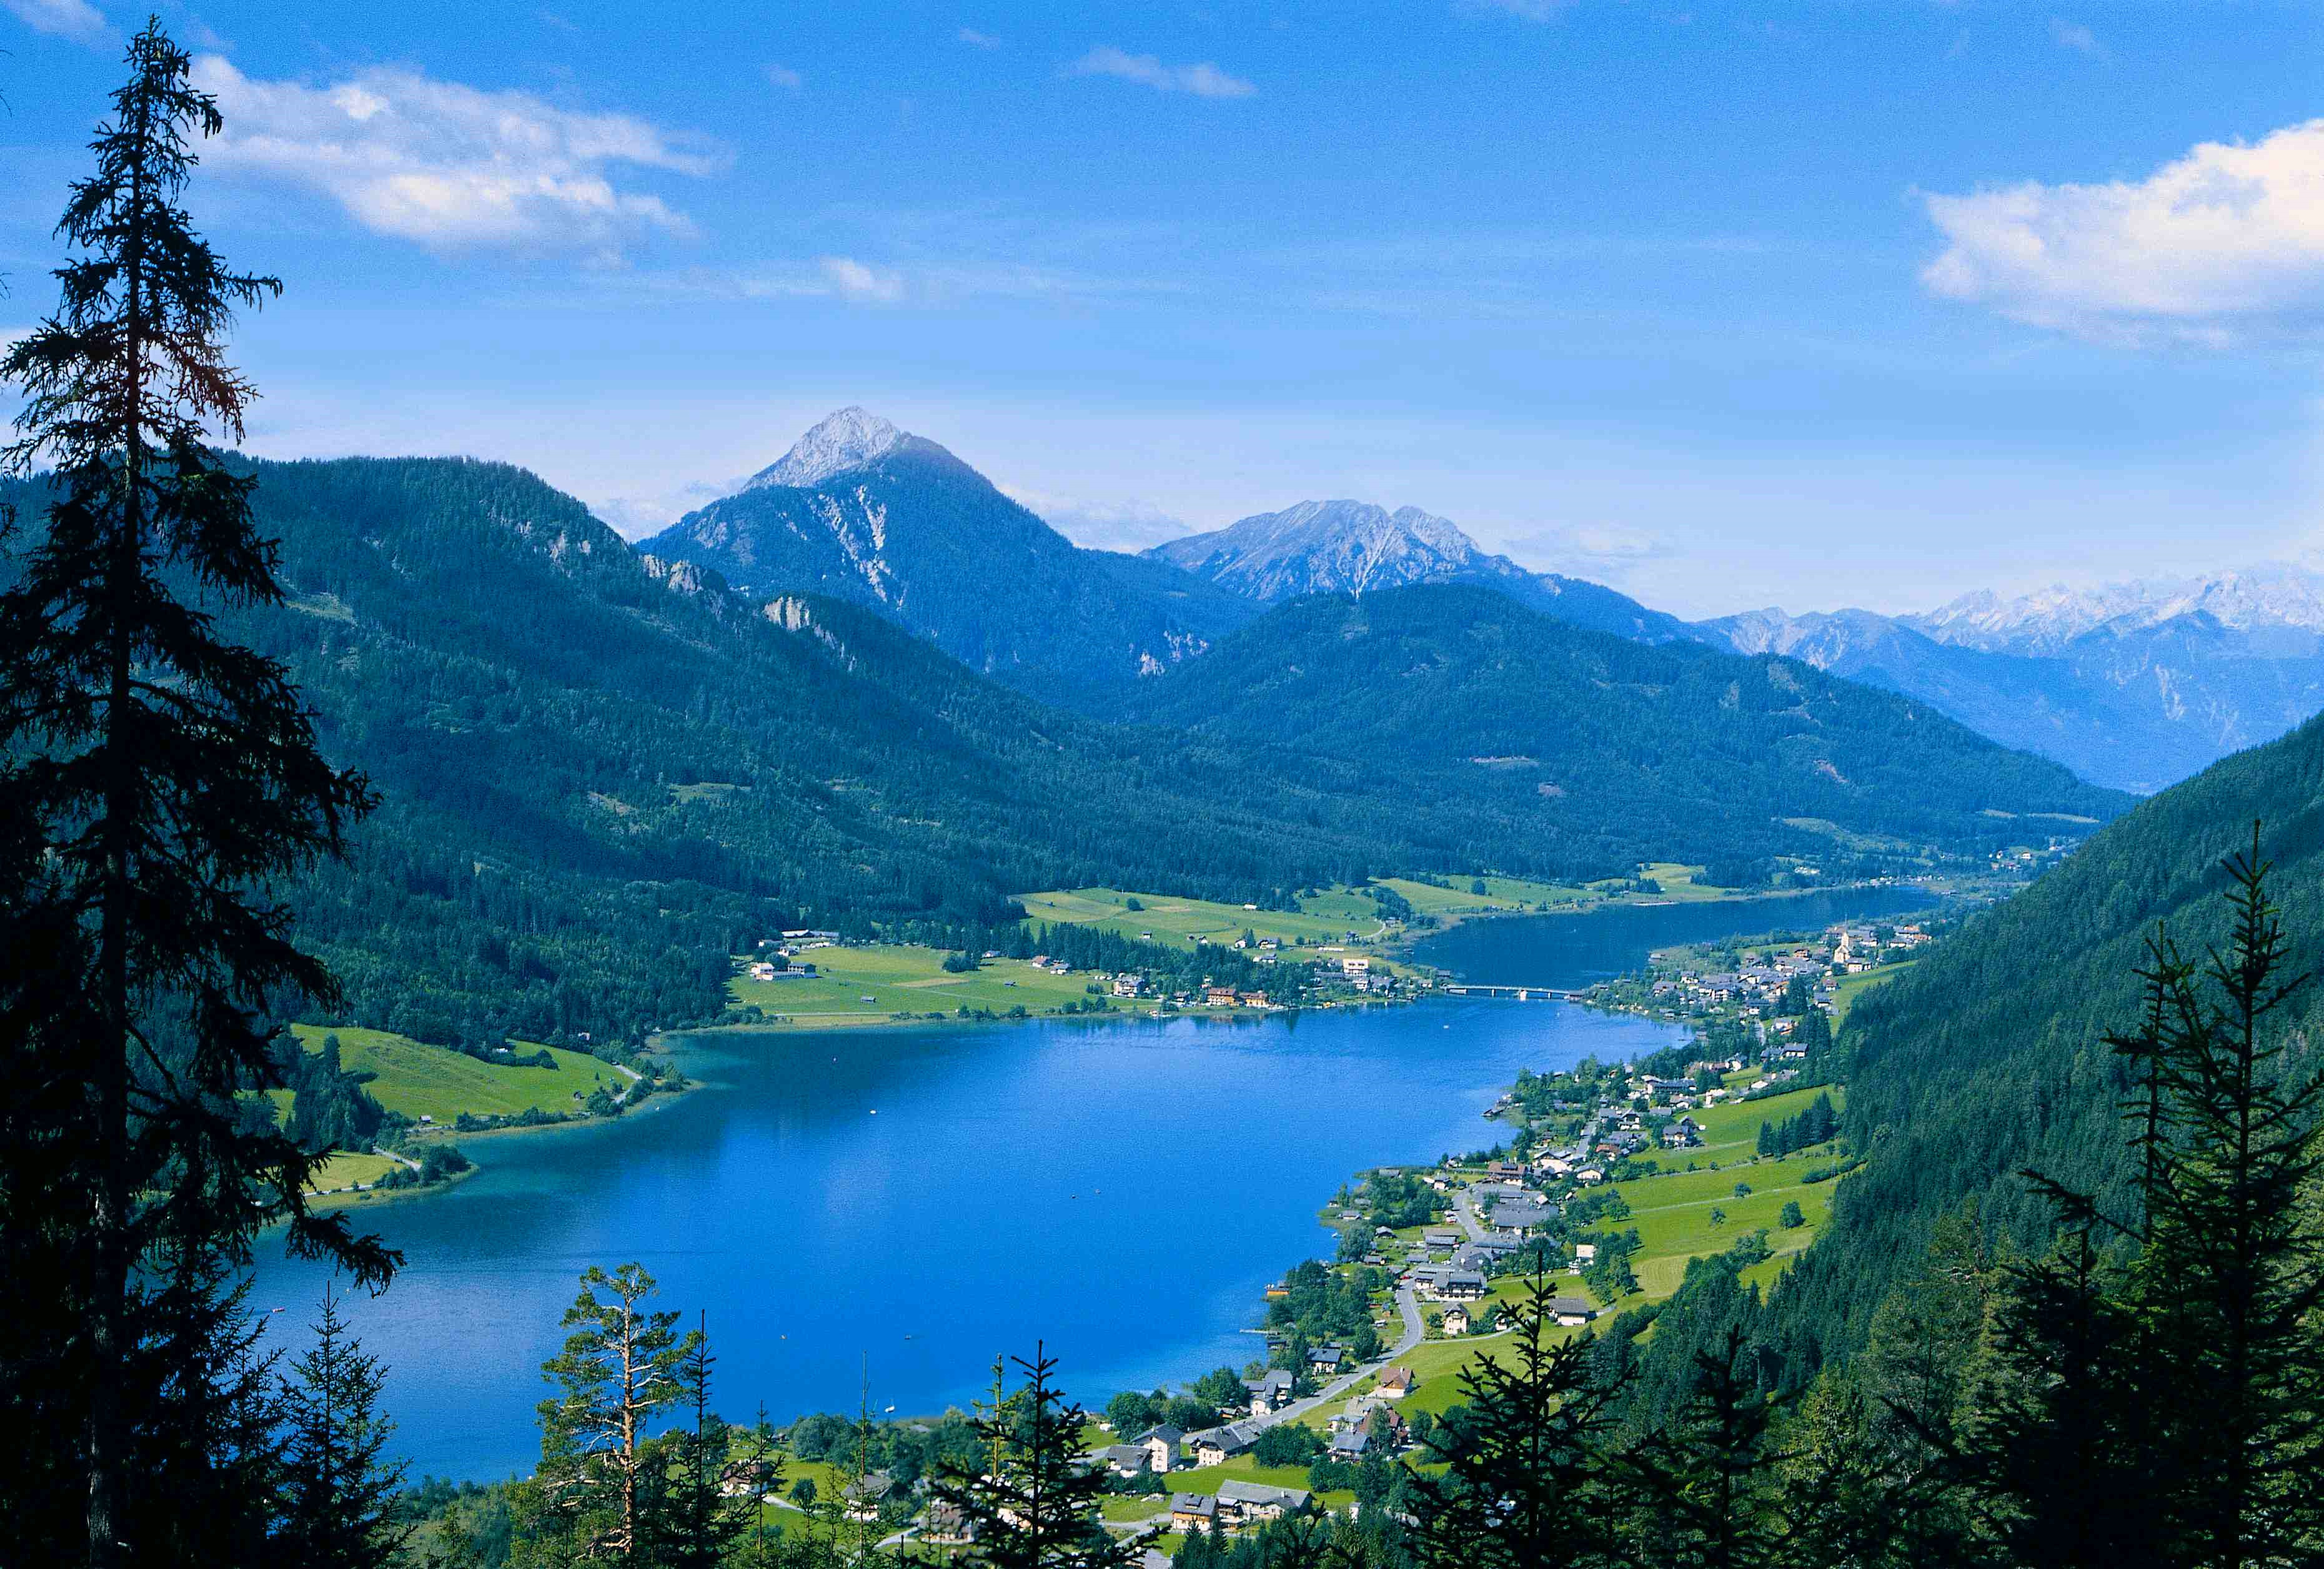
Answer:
(2059, 1450)
(2228, 1289)
(707, 1494)
(155, 778)
(1033, 1503)
(337, 1489)
(620, 1369)
(1702, 1480)
(1526, 1481)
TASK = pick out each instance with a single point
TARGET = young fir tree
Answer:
(1033, 1502)
(2059, 1452)
(1919, 1369)
(620, 1369)
(709, 1478)
(1702, 1481)
(1844, 1505)
(155, 779)
(337, 1490)
(2228, 1289)
(1526, 1481)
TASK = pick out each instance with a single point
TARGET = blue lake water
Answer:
(909, 1204)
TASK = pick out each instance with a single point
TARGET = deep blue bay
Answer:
(913, 1202)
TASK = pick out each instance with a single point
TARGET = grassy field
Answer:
(1332, 917)
(428, 1081)
(345, 1170)
(1328, 917)
(855, 986)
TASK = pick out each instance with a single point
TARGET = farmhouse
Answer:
(1249, 1502)
(1217, 1446)
(1267, 1391)
(1160, 1446)
(1192, 1511)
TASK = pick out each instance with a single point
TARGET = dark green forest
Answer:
(601, 775)
(1606, 742)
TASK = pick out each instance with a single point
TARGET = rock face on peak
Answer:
(847, 439)
(1325, 547)
(1352, 547)
(860, 510)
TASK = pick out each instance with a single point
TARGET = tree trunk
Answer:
(108, 1320)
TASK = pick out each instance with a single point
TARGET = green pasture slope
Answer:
(419, 1080)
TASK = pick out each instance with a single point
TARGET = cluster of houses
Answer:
(1757, 989)
(1236, 1504)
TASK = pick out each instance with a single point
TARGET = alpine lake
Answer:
(875, 1215)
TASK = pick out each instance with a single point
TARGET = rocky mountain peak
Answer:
(849, 438)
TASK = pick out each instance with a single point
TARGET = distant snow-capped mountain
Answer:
(1352, 547)
(850, 438)
(2273, 597)
(2133, 685)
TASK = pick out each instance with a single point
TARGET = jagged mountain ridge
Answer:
(2274, 597)
(1353, 547)
(2135, 699)
(862, 511)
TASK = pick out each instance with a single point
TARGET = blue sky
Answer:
(1728, 305)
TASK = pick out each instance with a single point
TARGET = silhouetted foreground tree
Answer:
(155, 778)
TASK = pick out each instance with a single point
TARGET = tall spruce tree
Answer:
(709, 1478)
(1033, 1503)
(2227, 1292)
(1526, 1480)
(156, 779)
(1703, 1480)
(337, 1486)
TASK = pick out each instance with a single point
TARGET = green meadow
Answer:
(879, 985)
(419, 1080)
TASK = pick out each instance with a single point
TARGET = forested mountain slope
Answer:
(598, 771)
(1613, 742)
(862, 511)
(1989, 1057)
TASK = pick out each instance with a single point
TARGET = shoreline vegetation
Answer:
(1344, 947)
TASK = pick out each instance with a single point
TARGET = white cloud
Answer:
(1203, 79)
(2073, 35)
(64, 18)
(980, 40)
(449, 165)
(2231, 232)
(852, 280)
(782, 76)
